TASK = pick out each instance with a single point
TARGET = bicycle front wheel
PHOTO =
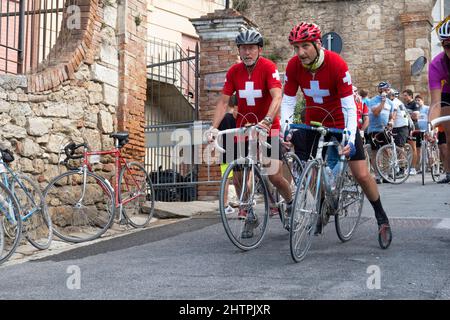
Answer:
(10, 222)
(351, 200)
(81, 209)
(36, 222)
(244, 205)
(305, 211)
(136, 195)
(394, 169)
(424, 160)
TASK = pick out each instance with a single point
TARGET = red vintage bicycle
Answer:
(83, 203)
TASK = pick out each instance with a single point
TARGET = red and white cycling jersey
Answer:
(361, 110)
(253, 91)
(329, 88)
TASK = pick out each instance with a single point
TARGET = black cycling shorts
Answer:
(306, 141)
(240, 150)
(400, 135)
(441, 138)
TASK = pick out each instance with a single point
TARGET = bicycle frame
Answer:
(7, 183)
(119, 163)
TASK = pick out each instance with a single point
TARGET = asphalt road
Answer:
(193, 259)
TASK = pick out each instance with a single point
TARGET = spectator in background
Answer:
(413, 110)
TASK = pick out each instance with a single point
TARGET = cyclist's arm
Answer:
(274, 107)
(365, 123)
(377, 110)
(349, 110)
(287, 108)
(221, 109)
(435, 106)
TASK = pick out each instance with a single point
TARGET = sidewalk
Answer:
(165, 213)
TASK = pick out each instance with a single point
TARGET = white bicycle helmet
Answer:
(444, 31)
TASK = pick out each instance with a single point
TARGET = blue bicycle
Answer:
(36, 222)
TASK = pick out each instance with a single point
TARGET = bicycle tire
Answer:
(295, 171)
(305, 211)
(37, 227)
(2, 237)
(436, 168)
(138, 213)
(98, 206)
(424, 160)
(11, 228)
(257, 212)
(350, 194)
(386, 168)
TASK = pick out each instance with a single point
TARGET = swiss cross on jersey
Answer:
(323, 89)
(253, 90)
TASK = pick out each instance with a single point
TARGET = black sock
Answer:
(380, 215)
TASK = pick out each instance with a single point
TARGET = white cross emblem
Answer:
(348, 78)
(276, 75)
(316, 93)
(250, 93)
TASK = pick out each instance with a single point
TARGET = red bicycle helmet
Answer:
(305, 32)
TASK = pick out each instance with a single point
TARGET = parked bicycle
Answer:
(10, 223)
(83, 204)
(391, 161)
(318, 197)
(430, 160)
(245, 204)
(36, 222)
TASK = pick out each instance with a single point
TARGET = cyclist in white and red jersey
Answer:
(439, 84)
(325, 81)
(257, 85)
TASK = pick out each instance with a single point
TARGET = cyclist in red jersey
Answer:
(325, 81)
(257, 85)
(362, 111)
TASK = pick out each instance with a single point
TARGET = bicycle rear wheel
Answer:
(305, 211)
(437, 168)
(293, 172)
(11, 223)
(244, 205)
(351, 200)
(80, 210)
(394, 171)
(136, 195)
(36, 222)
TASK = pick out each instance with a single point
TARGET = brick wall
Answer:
(133, 75)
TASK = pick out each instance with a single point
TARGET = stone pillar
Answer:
(417, 30)
(218, 52)
(132, 16)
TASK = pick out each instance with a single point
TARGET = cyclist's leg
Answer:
(445, 111)
(361, 173)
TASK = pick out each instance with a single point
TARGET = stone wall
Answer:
(35, 118)
(380, 37)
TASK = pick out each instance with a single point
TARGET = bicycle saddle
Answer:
(122, 138)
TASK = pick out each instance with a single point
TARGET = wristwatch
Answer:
(268, 119)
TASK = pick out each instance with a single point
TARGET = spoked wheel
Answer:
(36, 222)
(244, 205)
(351, 200)
(136, 195)
(80, 210)
(10, 222)
(305, 211)
(393, 170)
(292, 171)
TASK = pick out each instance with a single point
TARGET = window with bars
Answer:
(28, 32)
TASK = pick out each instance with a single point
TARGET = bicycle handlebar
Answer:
(70, 149)
(439, 120)
(318, 128)
(240, 131)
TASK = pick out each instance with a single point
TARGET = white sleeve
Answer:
(349, 110)
(287, 109)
